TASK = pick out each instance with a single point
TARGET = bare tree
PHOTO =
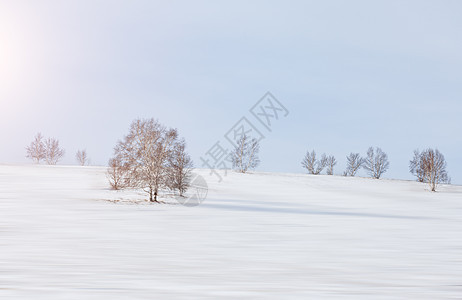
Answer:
(245, 155)
(354, 163)
(181, 165)
(145, 153)
(309, 162)
(331, 162)
(81, 157)
(416, 166)
(36, 149)
(321, 164)
(376, 162)
(313, 165)
(434, 165)
(53, 153)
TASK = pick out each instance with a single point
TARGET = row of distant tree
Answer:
(49, 151)
(375, 163)
(429, 166)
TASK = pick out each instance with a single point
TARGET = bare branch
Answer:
(81, 157)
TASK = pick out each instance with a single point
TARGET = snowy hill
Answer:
(256, 236)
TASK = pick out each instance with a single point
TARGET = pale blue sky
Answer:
(352, 74)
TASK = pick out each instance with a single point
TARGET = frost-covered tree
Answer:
(354, 163)
(36, 149)
(53, 153)
(82, 157)
(376, 162)
(313, 165)
(331, 162)
(245, 155)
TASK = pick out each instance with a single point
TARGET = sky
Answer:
(351, 74)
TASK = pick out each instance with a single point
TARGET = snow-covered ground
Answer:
(256, 236)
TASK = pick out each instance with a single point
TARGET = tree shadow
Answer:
(300, 211)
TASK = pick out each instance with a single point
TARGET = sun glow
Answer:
(11, 66)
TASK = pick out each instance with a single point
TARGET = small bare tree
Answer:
(313, 165)
(434, 166)
(354, 163)
(118, 174)
(81, 157)
(181, 165)
(416, 167)
(245, 155)
(36, 149)
(331, 162)
(376, 162)
(53, 153)
(309, 162)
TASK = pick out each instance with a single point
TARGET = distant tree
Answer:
(81, 157)
(354, 163)
(313, 165)
(245, 155)
(376, 162)
(181, 166)
(309, 162)
(331, 162)
(430, 167)
(36, 149)
(321, 164)
(53, 153)
(416, 167)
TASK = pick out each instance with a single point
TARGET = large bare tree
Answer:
(245, 155)
(82, 157)
(376, 162)
(36, 149)
(145, 154)
(313, 165)
(53, 153)
(354, 163)
(430, 167)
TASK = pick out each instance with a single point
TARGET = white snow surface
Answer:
(256, 236)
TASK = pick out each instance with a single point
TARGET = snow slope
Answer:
(256, 236)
